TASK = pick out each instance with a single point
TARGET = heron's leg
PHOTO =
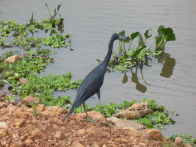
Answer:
(85, 110)
(87, 117)
(99, 96)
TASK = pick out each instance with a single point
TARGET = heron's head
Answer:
(118, 36)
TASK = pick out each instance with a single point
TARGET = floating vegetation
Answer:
(36, 35)
(36, 38)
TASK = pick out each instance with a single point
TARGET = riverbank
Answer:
(24, 126)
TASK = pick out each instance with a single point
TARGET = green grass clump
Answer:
(187, 139)
(43, 87)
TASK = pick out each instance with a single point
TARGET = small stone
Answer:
(126, 124)
(80, 116)
(94, 132)
(11, 108)
(37, 133)
(81, 132)
(120, 140)
(3, 104)
(28, 141)
(96, 116)
(54, 111)
(23, 81)
(59, 135)
(142, 145)
(29, 100)
(3, 133)
(12, 59)
(155, 134)
(187, 145)
(139, 106)
(19, 122)
(3, 125)
(77, 144)
(18, 144)
(178, 140)
(40, 107)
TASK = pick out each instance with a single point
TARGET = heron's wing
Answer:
(91, 84)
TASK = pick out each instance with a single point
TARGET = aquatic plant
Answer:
(126, 58)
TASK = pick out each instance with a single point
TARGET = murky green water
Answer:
(170, 80)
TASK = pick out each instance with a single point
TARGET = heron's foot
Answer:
(107, 123)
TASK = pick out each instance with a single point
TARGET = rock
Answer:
(120, 140)
(95, 116)
(135, 111)
(40, 107)
(142, 145)
(154, 134)
(12, 59)
(3, 133)
(23, 81)
(37, 133)
(81, 132)
(59, 135)
(80, 116)
(3, 104)
(94, 131)
(178, 142)
(18, 144)
(28, 141)
(19, 122)
(125, 124)
(77, 144)
(11, 108)
(3, 125)
(187, 145)
(29, 100)
(139, 106)
(54, 111)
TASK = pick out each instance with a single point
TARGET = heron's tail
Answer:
(70, 112)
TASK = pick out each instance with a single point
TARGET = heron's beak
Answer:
(123, 38)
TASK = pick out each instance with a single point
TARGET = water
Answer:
(92, 22)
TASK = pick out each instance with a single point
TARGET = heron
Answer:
(93, 81)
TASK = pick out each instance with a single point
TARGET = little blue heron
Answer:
(93, 81)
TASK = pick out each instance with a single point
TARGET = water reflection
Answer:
(167, 70)
(168, 64)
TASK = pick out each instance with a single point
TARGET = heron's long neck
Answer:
(110, 49)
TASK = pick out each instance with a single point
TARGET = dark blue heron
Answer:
(93, 81)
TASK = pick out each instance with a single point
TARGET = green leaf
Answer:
(147, 35)
(122, 33)
(134, 35)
